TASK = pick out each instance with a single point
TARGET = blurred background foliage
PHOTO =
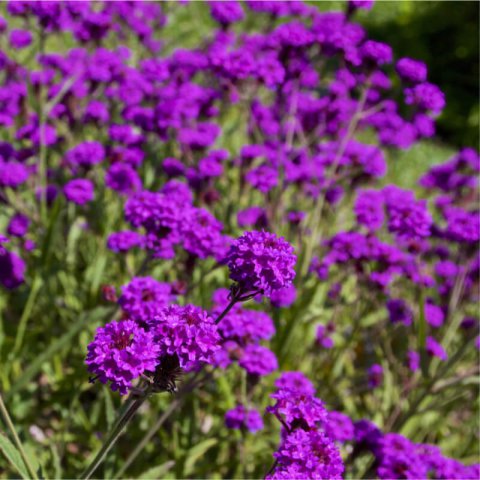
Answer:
(443, 34)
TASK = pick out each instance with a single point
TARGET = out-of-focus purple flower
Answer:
(399, 311)
(426, 96)
(258, 360)
(121, 242)
(369, 209)
(122, 178)
(411, 70)
(323, 337)
(367, 434)
(339, 427)
(283, 297)
(226, 13)
(363, 4)
(12, 174)
(376, 52)
(261, 262)
(12, 269)
(434, 349)
(121, 352)
(173, 167)
(85, 155)
(375, 375)
(252, 217)
(246, 326)
(79, 191)
(241, 417)
(20, 38)
(18, 225)
(295, 381)
(434, 314)
(144, 298)
(413, 360)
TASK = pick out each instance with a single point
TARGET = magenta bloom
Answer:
(375, 375)
(122, 178)
(18, 225)
(79, 191)
(20, 39)
(121, 242)
(296, 381)
(261, 262)
(311, 453)
(12, 269)
(187, 332)
(283, 297)
(144, 298)
(241, 417)
(258, 360)
(411, 70)
(434, 349)
(120, 353)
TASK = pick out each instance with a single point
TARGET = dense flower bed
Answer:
(223, 207)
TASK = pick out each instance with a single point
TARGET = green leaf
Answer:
(13, 456)
(159, 471)
(109, 408)
(88, 317)
(196, 452)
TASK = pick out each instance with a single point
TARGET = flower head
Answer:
(120, 353)
(261, 262)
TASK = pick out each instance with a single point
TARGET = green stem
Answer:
(127, 413)
(22, 325)
(18, 443)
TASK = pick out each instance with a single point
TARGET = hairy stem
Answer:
(16, 439)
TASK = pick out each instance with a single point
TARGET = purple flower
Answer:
(12, 174)
(187, 332)
(20, 38)
(434, 349)
(120, 242)
(122, 178)
(79, 191)
(96, 111)
(261, 262)
(434, 314)
(201, 233)
(375, 375)
(376, 52)
(252, 217)
(312, 452)
(258, 360)
(411, 70)
(363, 4)
(12, 269)
(369, 209)
(85, 155)
(241, 417)
(18, 225)
(298, 409)
(120, 353)
(144, 298)
(295, 381)
(283, 297)
(339, 427)
(407, 217)
(246, 326)
(367, 434)
(225, 12)
(399, 311)
(173, 167)
(413, 360)
(323, 336)
(426, 96)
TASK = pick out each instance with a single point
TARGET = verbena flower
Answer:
(121, 352)
(261, 262)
